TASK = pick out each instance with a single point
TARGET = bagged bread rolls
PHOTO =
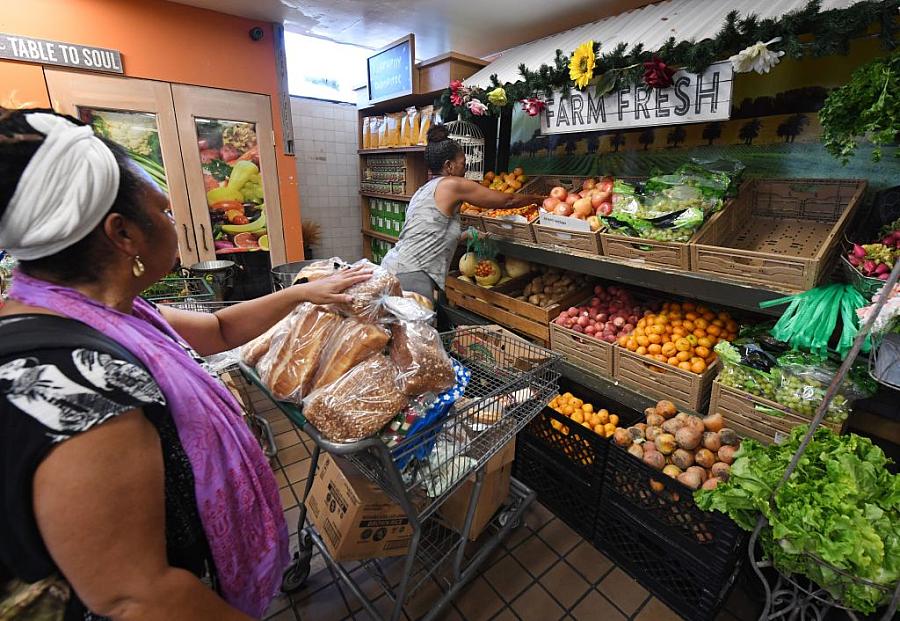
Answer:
(290, 366)
(359, 404)
(424, 366)
(350, 344)
(368, 297)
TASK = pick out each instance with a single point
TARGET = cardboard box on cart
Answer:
(355, 518)
(494, 491)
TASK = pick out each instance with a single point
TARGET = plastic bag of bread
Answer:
(350, 344)
(320, 269)
(419, 299)
(376, 127)
(366, 136)
(368, 296)
(418, 352)
(252, 352)
(426, 118)
(412, 123)
(358, 404)
(293, 359)
(406, 309)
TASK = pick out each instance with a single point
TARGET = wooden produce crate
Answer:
(542, 184)
(585, 352)
(689, 391)
(587, 242)
(779, 233)
(757, 417)
(467, 220)
(499, 305)
(505, 229)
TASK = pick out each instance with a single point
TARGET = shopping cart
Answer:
(511, 381)
(230, 375)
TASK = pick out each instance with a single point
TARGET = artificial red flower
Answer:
(532, 106)
(657, 74)
(456, 99)
(455, 85)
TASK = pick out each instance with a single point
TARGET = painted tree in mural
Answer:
(593, 143)
(792, 127)
(617, 140)
(647, 137)
(552, 142)
(517, 148)
(676, 136)
(571, 144)
(712, 132)
(749, 131)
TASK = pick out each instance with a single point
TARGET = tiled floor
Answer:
(543, 571)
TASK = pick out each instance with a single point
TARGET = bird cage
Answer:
(471, 140)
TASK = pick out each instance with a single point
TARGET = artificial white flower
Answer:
(757, 57)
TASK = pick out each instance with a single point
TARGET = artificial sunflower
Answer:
(581, 65)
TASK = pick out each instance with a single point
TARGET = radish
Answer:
(882, 268)
(854, 260)
(859, 251)
(868, 266)
(884, 276)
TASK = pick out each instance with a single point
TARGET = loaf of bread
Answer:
(350, 344)
(320, 269)
(252, 352)
(359, 404)
(290, 366)
(419, 299)
(424, 366)
(367, 296)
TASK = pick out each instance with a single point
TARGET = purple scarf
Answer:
(237, 496)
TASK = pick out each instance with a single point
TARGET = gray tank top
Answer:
(428, 239)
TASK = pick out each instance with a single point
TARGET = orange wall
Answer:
(160, 41)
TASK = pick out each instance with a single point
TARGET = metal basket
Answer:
(175, 290)
(864, 284)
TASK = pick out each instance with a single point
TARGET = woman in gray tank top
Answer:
(431, 233)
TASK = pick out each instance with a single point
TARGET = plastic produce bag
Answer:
(320, 269)
(359, 404)
(290, 365)
(747, 368)
(368, 297)
(352, 342)
(418, 352)
(804, 378)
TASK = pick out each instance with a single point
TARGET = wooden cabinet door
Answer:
(222, 132)
(140, 116)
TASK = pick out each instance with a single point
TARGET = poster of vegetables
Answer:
(136, 132)
(229, 154)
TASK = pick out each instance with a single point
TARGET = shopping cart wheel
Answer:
(295, 575)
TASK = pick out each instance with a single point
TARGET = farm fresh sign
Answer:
(692, 98)
(45, 52)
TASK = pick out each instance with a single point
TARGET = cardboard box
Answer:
(355, 518)
(494, 492)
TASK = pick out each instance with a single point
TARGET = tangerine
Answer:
(660, 358)
(640, 351)
(691, 316)
(673, 360)
(588, 408)
(684, 366)
(654, 349)
(688, 326)
(701, 323)
(714, 330)
(643, 341)
(698, 367)
(705, 342)
(683, 356)
(669, 349)
(682, 345)
(699, 333)
(613, 419)
(655, 338)
(701, 352)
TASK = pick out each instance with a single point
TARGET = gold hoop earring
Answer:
(137, 267)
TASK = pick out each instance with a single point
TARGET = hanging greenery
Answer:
(741, 40)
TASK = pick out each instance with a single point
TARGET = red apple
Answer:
(563, 209)
(605, 184)
(596, 201)
(604, 209)
(550, 204)
(559, 193)
(582, 208)
(571, 198)
(603, 196)
(588, 184)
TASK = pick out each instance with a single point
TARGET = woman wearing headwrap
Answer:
(126, 471)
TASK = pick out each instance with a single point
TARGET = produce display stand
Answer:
(508, 229)
(500, 365)
(587, 352)
(791, 597)
(583, 241)
(688, 390)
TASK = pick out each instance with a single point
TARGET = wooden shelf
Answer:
(381, 236)
(390, 197)
(415, 149)
(655, 278)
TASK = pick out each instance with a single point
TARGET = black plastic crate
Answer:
(570, 497)
(693, 590)
(711, 537)
(579, 447)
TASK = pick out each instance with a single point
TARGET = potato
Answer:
(665, 443)
(655, 420)
(528, 290)
(648, 412)
(729, 437)
(711, 484)
(688, 438)
(622, 438)
(534, 299)
(700, 472)
(726, 454)
(721, 470)
(637, 433)
(654, 460)
(705, 458)
(714, 422)
(666, 409)
(683, 459)
(712, 441)
(652, 433)
(672, 426)
(636, 450)
(696, 424)
(690, 479)
(656, 486)
(672, 470)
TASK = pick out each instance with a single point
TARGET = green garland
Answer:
(623, 66)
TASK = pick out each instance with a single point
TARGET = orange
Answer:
(655, 338)
(682, 345)
(718, 322)
(731, 326)
(610, 428)
(691, 316)
(577, 417)
(669, 329)
(568, 410)
(640, 332)
(659, 358)
(701, 323)
(568, 395)
(613, 419)
(623, 341)
(714, 330)
(643, 341)
(577, 403)
(677, 322)
(654, 349)
(704, 342)
(632, 345)
(599, 430)
(669, 349)
(649, 317)
(723, 316)
(588, 408)
(691, 339)
(688, 326)
(688, 305)
(699, 333)
(684, 366)
(696, 359)
(641, 351)
(673, 360)
(701, 352)
(683, 356)
(595, 420)
(661, 320)
(709, 316)
(678, 331)
(602, 417)
(698, 367)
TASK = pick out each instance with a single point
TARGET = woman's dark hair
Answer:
(79, 262)
(440, 148)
